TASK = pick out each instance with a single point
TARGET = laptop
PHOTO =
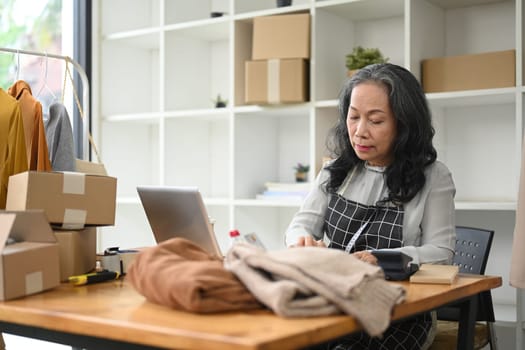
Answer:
(178, 212)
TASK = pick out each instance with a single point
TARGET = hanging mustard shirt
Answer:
(35, 136)
(13, 156)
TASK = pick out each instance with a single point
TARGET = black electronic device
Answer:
(396, 265)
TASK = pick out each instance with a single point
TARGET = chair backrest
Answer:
(471, 255)
(472, 249)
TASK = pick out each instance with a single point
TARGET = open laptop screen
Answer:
(178, 212)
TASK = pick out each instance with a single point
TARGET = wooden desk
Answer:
(112, 315)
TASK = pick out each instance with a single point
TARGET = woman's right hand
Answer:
(366, 256)
(308, 241)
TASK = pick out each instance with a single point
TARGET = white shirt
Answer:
(429, 234)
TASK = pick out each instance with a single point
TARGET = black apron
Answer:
(352, 226)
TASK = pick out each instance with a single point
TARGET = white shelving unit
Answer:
(160, 63)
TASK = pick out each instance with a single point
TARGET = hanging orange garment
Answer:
(13, 156)
(35, 136)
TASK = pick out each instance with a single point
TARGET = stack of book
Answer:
(285, 191)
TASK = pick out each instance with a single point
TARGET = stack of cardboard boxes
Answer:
(278, 71)
(50, 225)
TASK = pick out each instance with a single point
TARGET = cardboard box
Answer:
(70, 200)
(281, 36)
(470, 72)
(77, 251)
(30, 264)
(276, 81)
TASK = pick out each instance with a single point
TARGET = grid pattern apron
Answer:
(352, 226)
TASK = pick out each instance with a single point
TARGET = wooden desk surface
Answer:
(114, 310)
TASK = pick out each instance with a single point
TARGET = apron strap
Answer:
(356, 235)
(340, 192)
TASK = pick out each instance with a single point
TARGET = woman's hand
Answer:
(366, 256)
(308, 241)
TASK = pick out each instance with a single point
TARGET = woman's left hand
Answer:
(366, 256)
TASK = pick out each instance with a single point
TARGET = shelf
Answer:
(273, 111)
(327, 104)
(216, 201)
(451, 4)
(207, 29)
(294, 203)
(138, 117)
(248, 9)
(363, 10)
(472, 97)
(485, 206)
(135, 200)
(161, 63)
(206, 114)
(457, 98)
(139, 36)
(267, 203)
(215, 113)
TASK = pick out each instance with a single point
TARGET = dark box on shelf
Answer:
(469, 72)
(276, 81)
(281, 36)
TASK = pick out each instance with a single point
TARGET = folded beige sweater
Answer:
(181, 275)
(315, 281)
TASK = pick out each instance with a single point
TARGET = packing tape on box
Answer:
(274, 73)
(74, 219)
(74, 183)
(34, 282)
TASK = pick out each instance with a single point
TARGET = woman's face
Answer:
(371, 124)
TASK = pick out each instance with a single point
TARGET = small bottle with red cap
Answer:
(235, 237)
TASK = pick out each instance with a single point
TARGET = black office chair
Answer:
(471, 255)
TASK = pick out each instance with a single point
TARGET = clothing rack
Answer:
(85, 89)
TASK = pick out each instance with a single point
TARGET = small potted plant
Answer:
(362, 57)
(301, 172)
(220, 102)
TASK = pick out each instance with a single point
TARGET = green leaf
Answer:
(362, 57)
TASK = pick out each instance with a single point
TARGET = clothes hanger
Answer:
(17, 65)
(44, 85)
